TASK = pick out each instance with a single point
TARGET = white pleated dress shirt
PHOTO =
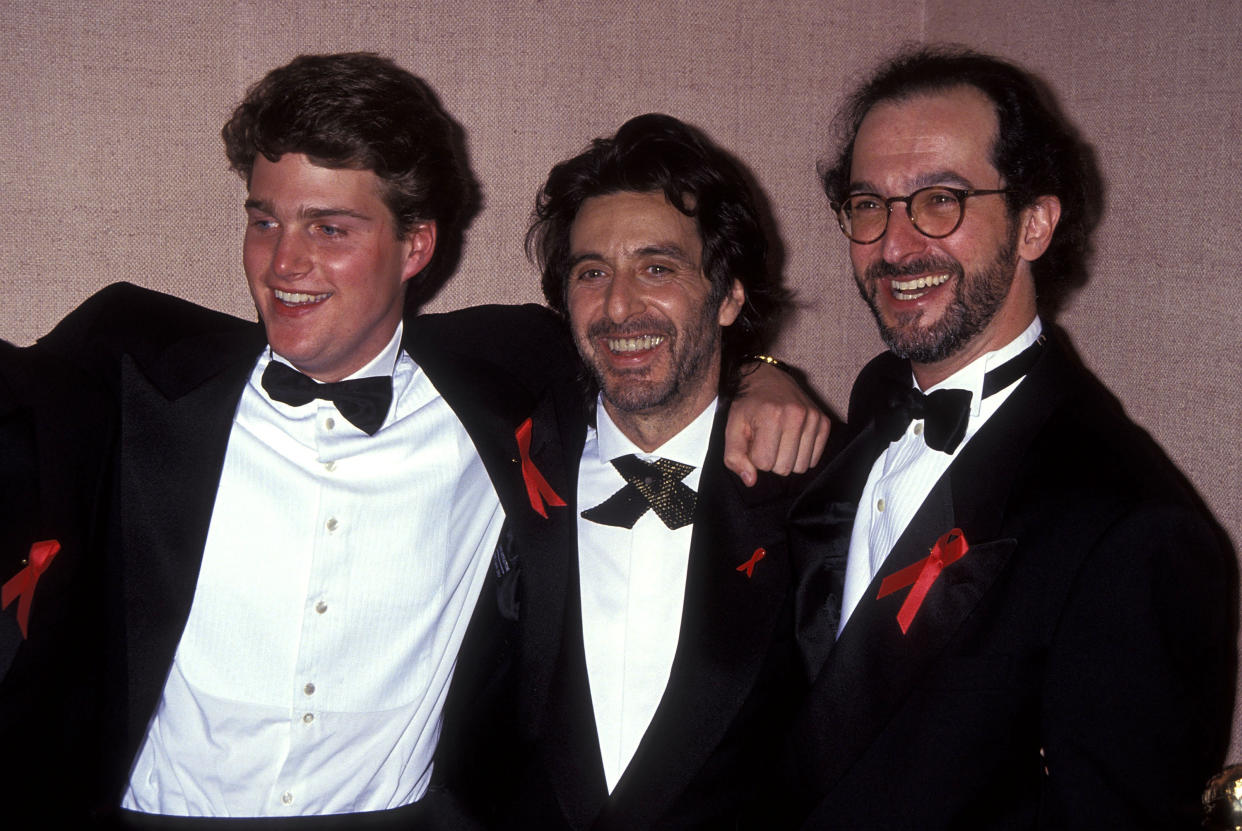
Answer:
(906, 472)
(338, 577)
(633, 584)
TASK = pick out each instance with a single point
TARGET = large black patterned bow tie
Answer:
(364, 401)
(946, 413)
(656, 485)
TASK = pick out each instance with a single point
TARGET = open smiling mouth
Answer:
(638, 344)
(914, 289)
(296, 298)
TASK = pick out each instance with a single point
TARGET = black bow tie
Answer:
(656, 485)
(364, 401)
(945, 413)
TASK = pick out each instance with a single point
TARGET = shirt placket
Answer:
(320, 609)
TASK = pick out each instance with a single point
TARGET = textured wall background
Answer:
(111, 166)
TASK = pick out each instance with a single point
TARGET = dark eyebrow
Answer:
(308, 213)
(949, 178)
(670, 250)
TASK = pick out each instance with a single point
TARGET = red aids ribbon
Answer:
(537, 488)
(948, 549)
(749, 565)
(23, 583)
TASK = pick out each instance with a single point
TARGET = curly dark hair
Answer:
(361, 111)
(659, 153)
(1037, 150)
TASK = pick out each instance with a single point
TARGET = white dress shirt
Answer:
(339, 574)
(906, 472)
(633, 583)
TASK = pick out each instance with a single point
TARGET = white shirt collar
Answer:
(382, 365)
(686, 447)
(970, 377)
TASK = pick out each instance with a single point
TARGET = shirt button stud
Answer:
(329, 423)
(332, 523)
(329, 466)
(308, 718)
(286, 798)
(879, 505)
(918, 428)
(309, 689)
(321, 607)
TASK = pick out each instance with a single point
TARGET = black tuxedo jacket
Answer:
(1073, 670)
(177, 372)
(707, 754)
(55, 435)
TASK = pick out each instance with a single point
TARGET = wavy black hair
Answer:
(659, 153)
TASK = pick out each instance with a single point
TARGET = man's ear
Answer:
(731, 305)
(420, 242)
(1036, 224)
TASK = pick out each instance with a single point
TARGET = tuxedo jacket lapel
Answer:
(569, 746)
(820, 523)
(555, 705)
(550, 619)
(176, 415)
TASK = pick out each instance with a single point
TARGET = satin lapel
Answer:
(728, 625)
(176, 415)
(874, 666)
(548, 572)
(568, 743)
(820, 523)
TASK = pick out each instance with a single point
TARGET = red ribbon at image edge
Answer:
(23, 583)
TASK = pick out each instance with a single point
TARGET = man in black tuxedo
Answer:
(656, 667)
(305, 509)
(1014, 611)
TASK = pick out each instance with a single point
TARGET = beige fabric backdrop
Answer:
(111, 166)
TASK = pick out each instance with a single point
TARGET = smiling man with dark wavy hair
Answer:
(657, 668)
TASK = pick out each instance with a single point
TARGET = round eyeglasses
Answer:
(936, 212)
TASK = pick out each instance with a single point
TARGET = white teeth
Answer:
(634, 344)
(902, 288)
(297, 298)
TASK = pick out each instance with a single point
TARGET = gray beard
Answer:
(976, 300)
(630, 392)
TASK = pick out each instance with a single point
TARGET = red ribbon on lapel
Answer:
(950, 548)
(749, 565)
(537, 488)
(23, 583)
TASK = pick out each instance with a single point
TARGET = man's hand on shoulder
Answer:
(773, 425)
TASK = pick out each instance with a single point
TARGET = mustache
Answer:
(630, 328)
(885, 270)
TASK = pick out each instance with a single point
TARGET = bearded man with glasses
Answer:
(1014, 610)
